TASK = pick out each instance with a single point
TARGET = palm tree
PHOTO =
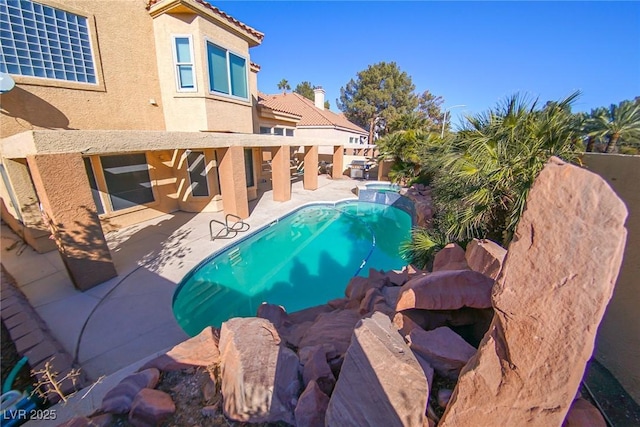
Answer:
(284, 85)
(589, 125)
(489, 167)
(619, 122)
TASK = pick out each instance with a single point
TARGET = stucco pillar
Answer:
(338, 161)
(63, 189)
(32, 229)
(281, 173)
(233, 181)
(310, 167)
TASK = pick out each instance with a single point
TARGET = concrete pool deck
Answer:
(129, 317)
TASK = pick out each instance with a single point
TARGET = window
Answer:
(127, 178)
(227, 72)
(183, 57)
(197, 173)
(278, 131)
(248, 166)
(265, 130)
(289, 132)
(95, 193)
(42, 41)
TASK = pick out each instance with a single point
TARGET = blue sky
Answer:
(471, 53)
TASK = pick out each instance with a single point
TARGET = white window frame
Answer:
(247, 64)
(177, 64)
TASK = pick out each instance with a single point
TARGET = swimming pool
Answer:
(303, 259)
(382, 186)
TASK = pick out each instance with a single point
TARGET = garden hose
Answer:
(8, 384)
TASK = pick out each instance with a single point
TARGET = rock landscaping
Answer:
(403, 346)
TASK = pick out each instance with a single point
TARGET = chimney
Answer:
(318, 95)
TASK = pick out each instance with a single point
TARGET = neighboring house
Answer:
(292, 114)
(124, 111)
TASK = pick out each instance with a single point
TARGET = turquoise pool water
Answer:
(304, 259)
(383, 187)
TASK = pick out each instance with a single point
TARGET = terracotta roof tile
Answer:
(293, 103)
(257, 34)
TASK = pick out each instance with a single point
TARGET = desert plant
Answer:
(617, 123)
(482, 176)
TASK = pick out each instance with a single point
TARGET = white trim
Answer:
(176, 64)
(247, 64)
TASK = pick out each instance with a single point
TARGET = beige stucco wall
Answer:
(618, 339)
(336, 136)
(72, 217)
(200, 110)
(127, 80)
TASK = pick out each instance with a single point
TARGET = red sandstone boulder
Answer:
(427, 369)
(404, 323)
(259, 376)
(201, 350)
(316, 368)
(359, 286)
(308, 314)
(549, 299)
(381, 382)
(150, 408)
(486, 257)
(397, 277)
(276, 314)
(583, 414)
(451, 257)
(371, 298)
(119, 399)
(445, 350)
(391, 294)
(331, 328)
(312, 406)
(446, 290)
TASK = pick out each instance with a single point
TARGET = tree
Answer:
(429, 106)
(306, 89)
(617, 123)
(284, 85)
(377, 96)
(485, 171)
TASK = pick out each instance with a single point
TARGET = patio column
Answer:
(281, 173)
(233, 181)
(338, 161)
(62, 186)
(310, 167)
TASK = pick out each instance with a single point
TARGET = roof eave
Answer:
(250, 35)
(270, 113)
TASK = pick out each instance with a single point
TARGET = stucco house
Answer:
(124, 111)
(294, 115)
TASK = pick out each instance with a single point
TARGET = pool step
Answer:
(235, 257)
